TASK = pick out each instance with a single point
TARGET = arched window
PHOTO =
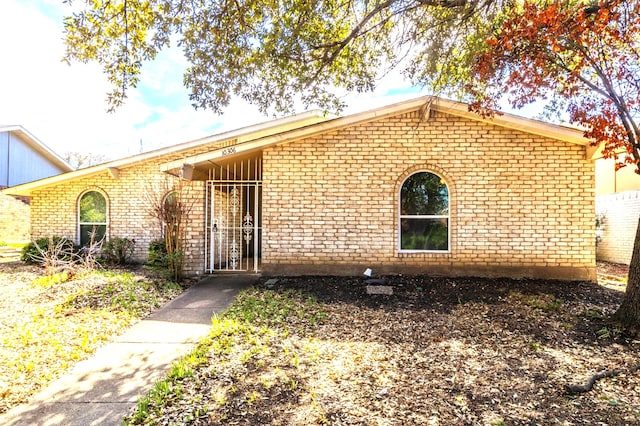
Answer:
(424, 213)
(92, 217)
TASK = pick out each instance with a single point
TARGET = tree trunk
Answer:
(629, 311)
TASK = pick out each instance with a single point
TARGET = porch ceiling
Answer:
(201, 169)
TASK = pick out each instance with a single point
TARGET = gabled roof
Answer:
(35, 144)
(250, 139)
(239, 136)
(510, 121)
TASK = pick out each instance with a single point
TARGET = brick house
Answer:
(421, 186)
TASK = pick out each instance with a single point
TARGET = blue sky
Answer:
(64, 106)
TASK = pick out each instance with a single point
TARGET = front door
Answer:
(234, 228)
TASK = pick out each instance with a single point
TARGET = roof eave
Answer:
(39, 146)
(446, 106)
(301, 119)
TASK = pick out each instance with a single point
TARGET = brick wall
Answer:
(520, 205)
(129, 197)
(14, 219)
(620, 212)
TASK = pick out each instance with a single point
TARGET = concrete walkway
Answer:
(102, 389)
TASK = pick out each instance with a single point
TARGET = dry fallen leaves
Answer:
(437, 351)
(47, 327)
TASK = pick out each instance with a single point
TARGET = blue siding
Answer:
(21, 162)
(4, 159)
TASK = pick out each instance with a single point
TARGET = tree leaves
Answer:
(119, 36)
(583, 56)
(277, 53)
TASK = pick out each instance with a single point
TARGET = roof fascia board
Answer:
(242, 134)
(267, 127)
(307, 125)
(38, 146)
(515, 122)
(510, 121)
(296, 134)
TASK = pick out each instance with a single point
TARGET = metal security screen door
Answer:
(234, 231)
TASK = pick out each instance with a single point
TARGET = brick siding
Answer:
(620, 212)
(520, 205)
(130, 198)
(14, 219)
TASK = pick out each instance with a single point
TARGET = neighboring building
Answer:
(423, 186)
(617, 210)
(23, 158)
(14, 219)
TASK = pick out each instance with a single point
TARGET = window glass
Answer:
(92, 217)
(424, 213)
(424, 194)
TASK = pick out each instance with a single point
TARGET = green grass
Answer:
(271, 308)
(245, 336)
(543, 301)
(68, 321)
(50, 280)
(123, 292)
(14, 244)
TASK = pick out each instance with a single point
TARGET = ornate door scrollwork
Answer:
(233, 231)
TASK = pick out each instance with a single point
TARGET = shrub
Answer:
(157, 254)
(58, 248)
(118, 251)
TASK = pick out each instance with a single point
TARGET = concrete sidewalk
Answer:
(102, 389)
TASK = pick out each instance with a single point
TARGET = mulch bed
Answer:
(464, 351)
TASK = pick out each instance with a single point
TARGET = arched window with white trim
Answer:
(424, 213)
(92, 217)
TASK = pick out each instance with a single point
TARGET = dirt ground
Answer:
(438, 351)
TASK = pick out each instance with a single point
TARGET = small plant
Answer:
(609, 333)
(157, 254)
(220, 398)
(118, 250)
(252, 397)
(543, 301)
(59, 254)
(180, 370)
(160, 391)
(48, 250)
(594, 313)
(271, 308)
(50, 280)
(171, 207)
(87, 259)
(142, 411)
(322, 419)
